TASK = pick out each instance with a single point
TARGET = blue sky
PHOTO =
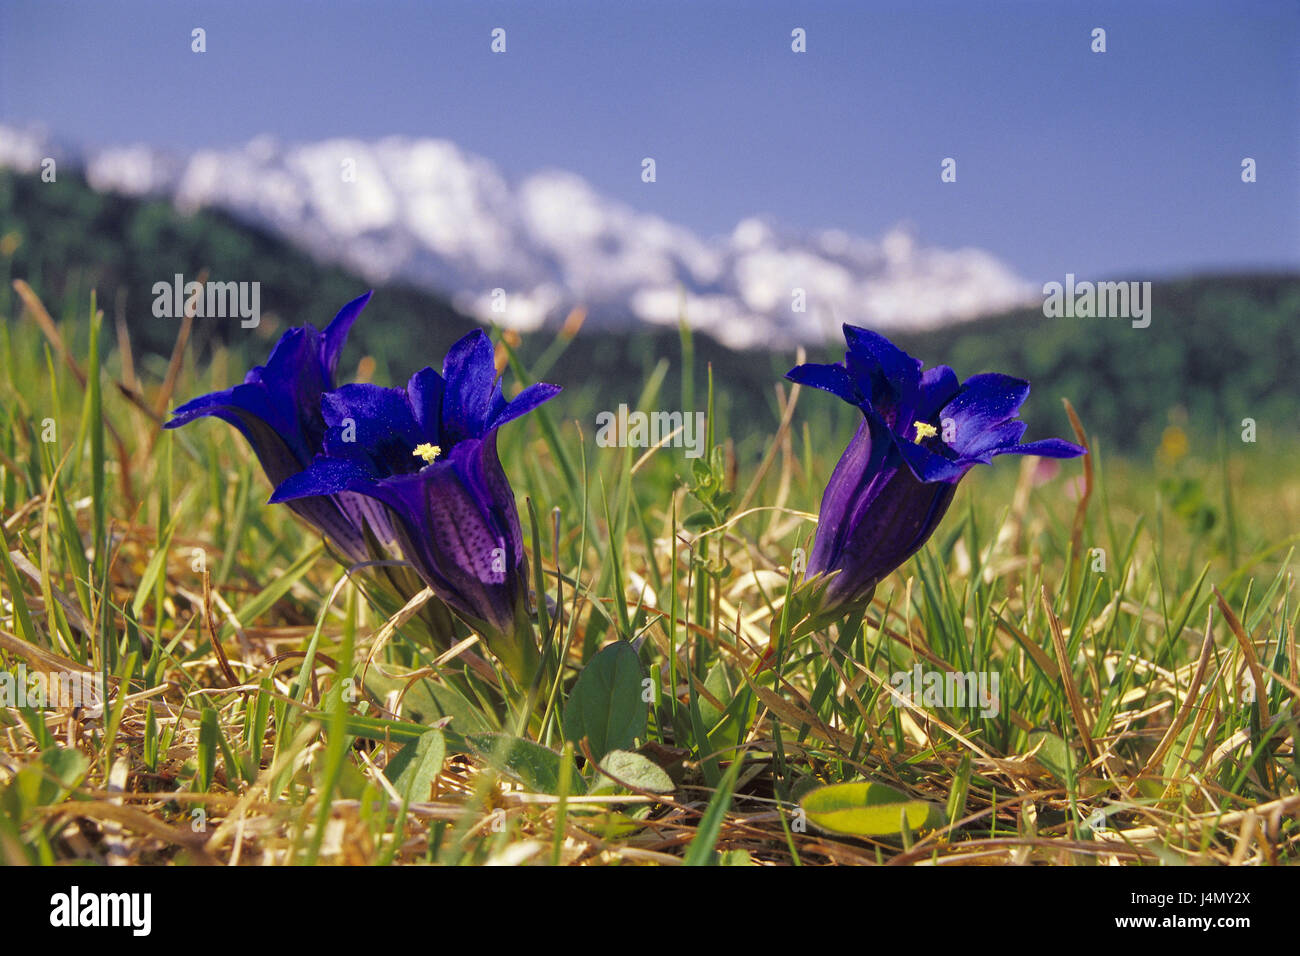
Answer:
(1124, 164)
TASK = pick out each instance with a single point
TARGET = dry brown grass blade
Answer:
(129, 387)
(924, 718)
(36, 309)
(38, 656)
(174, 366)
(1067, 679)
(13, 466)
(178, 355)
(139, 401)
(1033, 650)
(117, 849)
(124, 350)
(133, 819)
(389, 627)
(1245, 837)
(1247, 651)
(250, 797)
(209, 622)
(1076, 531)
(774, 446)
(1295, 665)
(70, 607)
(1215, 819)
(1189, 701)
(1211, 711)
(1256, 676)
(797, 715)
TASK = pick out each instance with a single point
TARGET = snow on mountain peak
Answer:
(426, 212)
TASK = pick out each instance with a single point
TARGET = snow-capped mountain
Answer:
(426, 212)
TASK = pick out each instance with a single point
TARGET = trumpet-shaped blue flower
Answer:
(427, 455)
(921, 433)
(278, 409)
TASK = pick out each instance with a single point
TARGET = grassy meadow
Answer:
(261, 707)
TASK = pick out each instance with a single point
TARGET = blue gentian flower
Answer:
(427, 454)
(921, 432)
(278, 409)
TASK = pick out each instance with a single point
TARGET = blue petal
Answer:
(524, 402)
(886, 375)
(324, 476)
(294, 367)
(457, 524)
(485, 483)
(425, 392)
(336, 332)
(985, 401)
(370, 405)
(850, 492)
(325, 516)
(929, 466)
(242, 399)
(939, 386)
(992, 442)
(896, 364)
(362, 510)
(1047, 448)
(381, 424)
(874, 516)
(278, 409)
(829, 378)
(472, 388)
(277, 441)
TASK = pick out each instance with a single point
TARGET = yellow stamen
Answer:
(924, 430)
(426, 451)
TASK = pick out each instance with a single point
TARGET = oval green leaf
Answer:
(869, 809)
(633, 770)
(535, 766)
(414, 768)
(606, 705)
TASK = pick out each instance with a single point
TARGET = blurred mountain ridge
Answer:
(426, 212)
(1220, 348)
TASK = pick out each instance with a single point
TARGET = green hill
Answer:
(1219, 348)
